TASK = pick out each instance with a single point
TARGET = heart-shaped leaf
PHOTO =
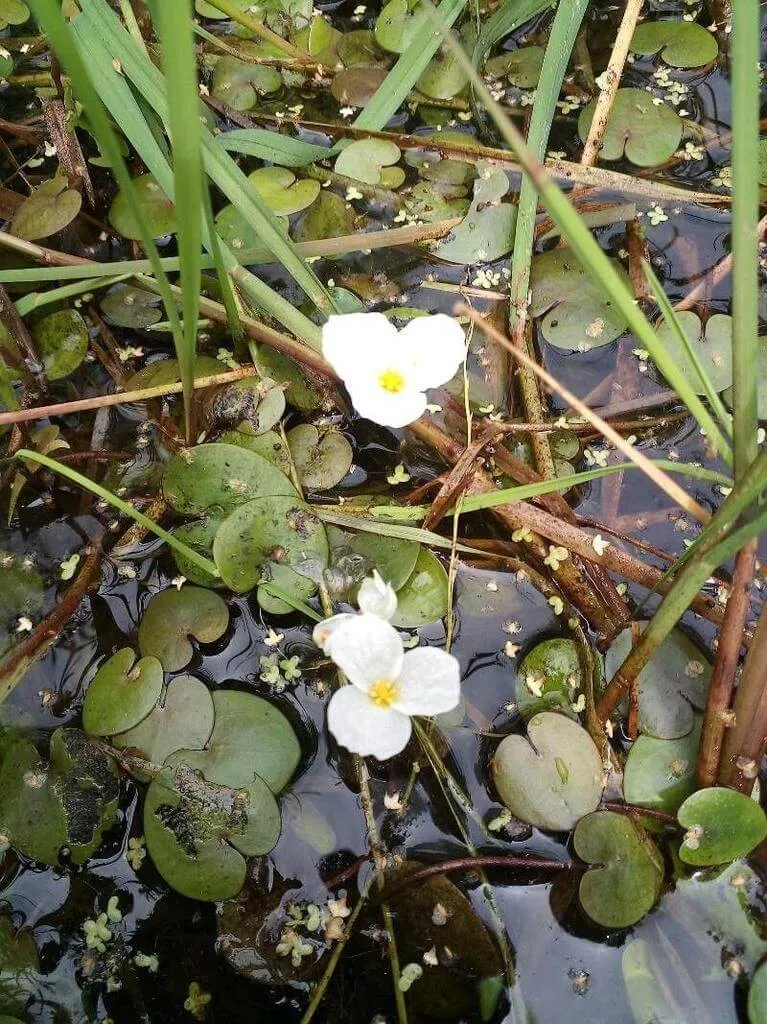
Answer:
(428, 203)
(365, 159)
(521, 67)
(320, 40)
(269, 540)
(323, 459)
(49, 209)
(183, 718)
(239, 84)
(13, 12)
(158, 210)
(576, 315)
(549, 678)
(122, 693)
(269, 445)
(250, 737)
(722, 825)
(444, 78)
(397, 24)
(125, 306)
(358, 553)
(328, 217)
(423, 596)
(199, 536)
(683, 44)
(661, 773)
(712, 345)
(487, 231)
(237, 231)
(356, 86)
(216, 478)
(197, 831)
(625, 881)
(671, 686)
(551, 777)
(61, 339)
(648, 133)
(172, 616)
(359, 49)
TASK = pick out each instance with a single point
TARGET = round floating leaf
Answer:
(761, 370)
(199, 536)
(49, 209)
(712, 345)
(660, 774)
(364, 159)
(329, 217)
(358, 48)
(683, 44)
(444, 78)
(322, 459)
(423, 597)
(216, 478)
(13, 12)
(521, 67)
(61, 339)
(122, 693)
(552, 777)
(239, 84)
(237, 231)
(268, 540)
(282, 192)
(6, 70)
(250, 737)
(125, 306)
(182, 719)
(269, 445)
(648, 133)
(576, 316)
(672, 684)
(32, 817)
(172, 616)
(549, 678)
(158, 210)
(722, 825)
(426, 203)
(320, 40)
(432, 166)
(166, 371)
(394, 558)
(356, 86)
(397, 24)
(487, 231)
(197, 831)
(757, 996)
(626, 879)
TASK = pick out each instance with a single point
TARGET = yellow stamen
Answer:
(383, 692)
(392, 381)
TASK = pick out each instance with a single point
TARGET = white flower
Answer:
(375, 597)
(388, 685)
(387, 371)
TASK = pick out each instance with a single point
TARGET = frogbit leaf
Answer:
(358, 553)
(126, 306)
(648, 133)
(487, 231)
(158, 210)
(722, 825)
(239, 84)
(122, 693)
(549, 678)
(397, 24)
(172, 616)
(660, 774)
(13, 12)
(682, 44)
(521, 67)
(61, 339)
(322, 459)
(423, 597)
(712, 344)
(365, 159)
(282, 192)
(49, 209)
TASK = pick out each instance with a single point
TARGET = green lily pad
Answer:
(61, 339)
(397, 24)
(172, 616)
(521, 67)
(239, 84)
(166, 371)
(322, 459)
(757, 996)
(356, 86)
(328, 217)
(712, 345)
(432, 166)
(6, 70)
(197, 831)
(551, 777)
(217, 478)
(671, 686)
(125, 306)
(549, 678)
(282, 192)
(122, 693)
(660, 774)
(722, 825)
(158, 210)
(423, 597)
(426, 203)
(237, 231)
(182, 719)
(682, 44)
(268, 540)
(365, 159)
(199, 536)
(646, 132)
(444, 78)
(487, 231)
(359, 48)
(576, 316)
(250, 737)
(394, 558)
(320, 40)
(49, 209)
(13, 12)
(32, 817)
(268, 444)
(626, 879)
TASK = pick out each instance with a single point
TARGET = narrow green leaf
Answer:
(283, 150)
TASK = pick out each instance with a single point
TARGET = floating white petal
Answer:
(429, 684)
(362, 727)
(366, 648)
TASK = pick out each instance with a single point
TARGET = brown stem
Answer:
(10, 319)
(472, 863)
(744, 743)
(647, 812)
(723, 677)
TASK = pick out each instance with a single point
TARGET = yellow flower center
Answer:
(392, 381)
(383, 692)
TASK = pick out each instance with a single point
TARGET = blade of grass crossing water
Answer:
(746, 37)
(174, 27)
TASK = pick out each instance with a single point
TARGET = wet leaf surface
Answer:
(122, 693)
(49, 209)
(360, 552)
(682, 44)
(423, 596)
(549, 678)
(125, 306)
(61, 339)
(173, 616)
(322, 459)
(158, 210)
(661, 773)
(722, 825)
(487, 231)
(646, 132)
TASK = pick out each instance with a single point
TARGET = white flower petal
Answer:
(437, 346)
(323, 631)
(430, 682)
(350, 340)
(367, 648)
(377, 597)
(390, 410)
(362, 727)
